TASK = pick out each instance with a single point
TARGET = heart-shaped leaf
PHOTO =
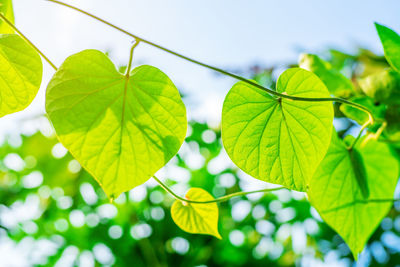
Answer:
(196, 218)
(20, 74)
(391, 45)
(336, 193)
(7, 9)
(278, 140)
(122, 130)
(336, 82)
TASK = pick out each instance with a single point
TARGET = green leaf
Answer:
(382, 86)
(278, 140)
(20, 74)
(336, 194)
(392, 117)
(336, 82)
(7, 9)
(196, 218)
(391, 45)
(122, 130)
(360, 116)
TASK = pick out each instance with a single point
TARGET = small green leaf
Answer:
(336, 82)
(20, 74)
(360, 116)
(278, 140)
(381, 85)
(196, 218)
(336, 194)
(7, 9)
(122, 130)
(391, 45)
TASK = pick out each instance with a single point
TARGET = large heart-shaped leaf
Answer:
(336, 193)
(7, 9)
(278, 140)
(20, 74)
(391, 45)
(122, 130)
(336, 82)
(196, 218)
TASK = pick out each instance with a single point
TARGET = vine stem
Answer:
(128, 69)
(376, 135)
(26, 39)
(365, 125)
(237, 77)
(217, 200)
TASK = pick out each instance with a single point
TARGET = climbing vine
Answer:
(124, 127)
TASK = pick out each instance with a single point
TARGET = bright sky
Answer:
(226, 33)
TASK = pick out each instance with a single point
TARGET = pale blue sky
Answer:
(226, 33)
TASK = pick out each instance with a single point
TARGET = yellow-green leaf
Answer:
(20, 74)
(391, 45)
(280, 141)
(196, 218)
(7, 9)
(336, 82)
(122, 130)
(382, 86)
(336, 191)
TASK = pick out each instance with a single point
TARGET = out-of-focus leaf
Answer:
(382, 86)
(360, 116)
(392, 117)
(336, 82)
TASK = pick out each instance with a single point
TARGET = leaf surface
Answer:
(7, 9)
(391, 45)
(20, 74)
(336, 194)
(121, 130)
(392, 117)
(278, 140)
(382, 86)
(196, 218)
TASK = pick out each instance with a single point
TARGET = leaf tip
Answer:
(217, 235)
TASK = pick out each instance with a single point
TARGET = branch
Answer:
(237, 77)
(217, 200)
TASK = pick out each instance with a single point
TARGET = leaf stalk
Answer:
(216, 200)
